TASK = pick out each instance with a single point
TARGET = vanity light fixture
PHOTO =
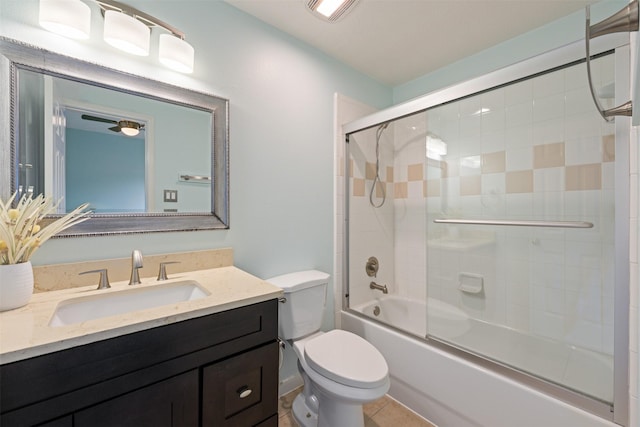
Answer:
(330, 10)
(176, 53)
(123, 28)
(69, 18)
(126, 33)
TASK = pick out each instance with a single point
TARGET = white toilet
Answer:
(340, 370)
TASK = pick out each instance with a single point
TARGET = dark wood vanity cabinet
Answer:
(216, 370)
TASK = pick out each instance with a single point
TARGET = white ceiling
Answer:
(396, 41)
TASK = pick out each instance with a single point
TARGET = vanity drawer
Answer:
(241, 390)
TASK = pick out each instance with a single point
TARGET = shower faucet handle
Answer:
(372, 266)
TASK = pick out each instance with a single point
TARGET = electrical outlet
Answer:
(171, 196)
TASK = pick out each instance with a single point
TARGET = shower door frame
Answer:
(618, 411)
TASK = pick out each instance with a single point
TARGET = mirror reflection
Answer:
(118, 151)
(148, 156)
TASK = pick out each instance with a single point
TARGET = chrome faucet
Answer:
(136, 263)
(383, 288)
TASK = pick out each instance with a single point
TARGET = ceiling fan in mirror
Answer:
(127, 127)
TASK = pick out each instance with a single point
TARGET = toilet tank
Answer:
(305, 294)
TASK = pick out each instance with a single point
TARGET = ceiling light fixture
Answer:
(174, 52)
(330, 10)
(129, 128)
(69, 18)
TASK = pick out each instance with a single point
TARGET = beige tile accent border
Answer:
(389, 177)
(381, 189)
(548, 155)
(432, 188)
(494, 162)
(609, 148)
(400, 190)
(450, 169)
(358, 187)
(470, 185)
(583, 177)
(62, 276)
(519, 182)
(415, 172)
(370, 170)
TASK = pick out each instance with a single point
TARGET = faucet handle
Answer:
(103, 283)
(162, 273)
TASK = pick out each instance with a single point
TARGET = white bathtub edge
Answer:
(451, 391)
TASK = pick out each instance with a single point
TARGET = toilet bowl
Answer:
(340, 370)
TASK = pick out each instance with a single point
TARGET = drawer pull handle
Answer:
(244, 392)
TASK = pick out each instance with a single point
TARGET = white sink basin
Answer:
(111, 303)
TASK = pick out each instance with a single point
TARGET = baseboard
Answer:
(289, 384)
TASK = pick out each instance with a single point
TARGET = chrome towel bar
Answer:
(527, 223)
(199, 178)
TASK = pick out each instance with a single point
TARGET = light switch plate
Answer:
(171, 196)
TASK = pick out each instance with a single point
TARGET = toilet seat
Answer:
(347, 359)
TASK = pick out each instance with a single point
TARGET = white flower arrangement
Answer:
(20, 231)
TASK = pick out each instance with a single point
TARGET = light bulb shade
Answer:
(176, 53)
(130, 131)
(69, 18)
(126, 33)
(129, 128)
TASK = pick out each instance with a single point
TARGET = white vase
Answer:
(16, 285)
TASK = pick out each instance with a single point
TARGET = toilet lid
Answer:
(347, 359)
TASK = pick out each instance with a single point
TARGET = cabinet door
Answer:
(271, 422)
(60, 422)
(169, 403)
(242, 390)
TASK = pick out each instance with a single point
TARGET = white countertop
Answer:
(25, 332)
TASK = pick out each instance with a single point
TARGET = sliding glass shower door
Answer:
(521, 227)
(488, 224)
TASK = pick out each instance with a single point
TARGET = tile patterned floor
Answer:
(384, 412)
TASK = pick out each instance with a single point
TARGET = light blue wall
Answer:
(106, 171)
(281, 98)
(548, 37)
(171, 151)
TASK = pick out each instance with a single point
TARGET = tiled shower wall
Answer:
(536, 149)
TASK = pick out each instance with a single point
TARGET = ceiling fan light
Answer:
(129, 128)
(176, 53)
(126, 33)
(69, 18)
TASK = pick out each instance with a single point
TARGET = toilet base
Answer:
(303, 415)
(331, 413)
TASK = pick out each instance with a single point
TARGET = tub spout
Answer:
(383, 288)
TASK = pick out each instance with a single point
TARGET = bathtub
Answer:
(452, 391)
